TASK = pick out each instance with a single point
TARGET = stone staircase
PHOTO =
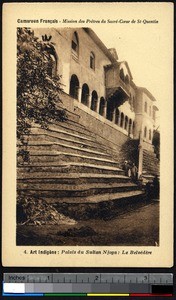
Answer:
(68, 165)
(150, 164)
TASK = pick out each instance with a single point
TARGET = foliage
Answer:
(38, 93)
(156, 143)
(33, 211)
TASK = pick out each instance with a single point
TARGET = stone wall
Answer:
(107, 132)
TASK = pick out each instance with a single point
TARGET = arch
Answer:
(74, 86)
(150, 134)
(145, 106)
(121, 119)
(53, 62)
(85, 94)
(122, 76)
(133, 127)
(150, 110)
(117, 116)
(126, 123)
(92, 60)
(130, 126)
(75, 43)
(94, 101)
(102, 106)
(145, 131)
(110, 110)
(133, 101)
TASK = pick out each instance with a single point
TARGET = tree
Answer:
(38, 91)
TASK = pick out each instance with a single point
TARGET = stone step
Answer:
(90, 135)
(55, 134)
(71, 178)
(38, 146)
(150, 163)
(59, 190)
(149, 153)
(150, 166)
(59, 130)
(58, 157)
(150, 160)
(96, 198)
(65, 168)
(147, 176)
(73, 127)
(56, 137)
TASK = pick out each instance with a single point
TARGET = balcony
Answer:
(117, 85)
(124, 87)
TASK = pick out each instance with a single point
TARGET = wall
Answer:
(60, 42)
(106, 132)
(142, 118)
(81, 66)
(115, 136)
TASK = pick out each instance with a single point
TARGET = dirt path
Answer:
(137, 227)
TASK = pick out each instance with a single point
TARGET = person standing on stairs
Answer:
(126, 168)
(134, 171)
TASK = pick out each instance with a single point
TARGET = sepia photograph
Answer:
(88, 144)
(87, 135)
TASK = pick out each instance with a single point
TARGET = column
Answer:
(127, 129)
(140, 155)
(119, 120)
(113, 116)
(105, 110)
(98, 105)
(89, 100)
(79, 94)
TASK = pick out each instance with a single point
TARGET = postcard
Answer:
(87, 134)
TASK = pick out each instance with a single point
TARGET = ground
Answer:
(137, 227)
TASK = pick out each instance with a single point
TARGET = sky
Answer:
(142, 50)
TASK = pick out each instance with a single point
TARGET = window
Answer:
(150, 134)
(153, 114)
(74, 86)
(150, 111)
(126, 123)
(109, 112)
(133, 127)
(75, 43)
(52, 66)
(52, 61)
(117, 116)
(133, 102)
(127, 80)
(94, 101)
(145, 132)
(92, 61)
(145, 107)
(130, 126)
(85, 94)
(122, 120)
(122, 76)
(102, 106)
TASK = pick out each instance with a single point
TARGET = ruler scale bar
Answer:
(88, 284)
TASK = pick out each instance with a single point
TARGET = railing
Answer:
(124, 86)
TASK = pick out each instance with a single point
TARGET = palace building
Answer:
(99, 84)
